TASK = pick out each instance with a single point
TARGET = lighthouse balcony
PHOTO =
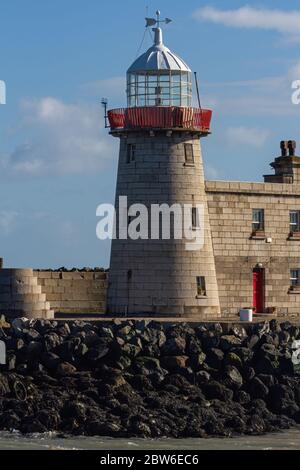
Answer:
(159, 118)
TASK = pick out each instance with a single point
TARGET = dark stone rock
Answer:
(150, 363)
(216, 390)
(197, 360)
(4, 386)
(149, 379)
(95, 355)
(50, 360)
(174, 362)
(209, 340)
(194, 346)
(255, 425)
(238, 331)
(233, 359)
(131, 350)
(228, 342)
(32, 335)
(203, 377)
(51, 341)
(251, 342)
(258, 389)
(11, 361)
(10, 421)
(34, 350)
(242, 397)
(14, 344)
(65, 369)
(174, 347)
(232, 378)
(268, 380)
(214, 358)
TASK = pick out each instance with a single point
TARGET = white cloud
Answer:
(269, 96)
(62, 139)
(282, 21)
(114, 86)
(249, 136)
(8, 221)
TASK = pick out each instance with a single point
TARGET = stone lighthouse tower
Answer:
(160, 167)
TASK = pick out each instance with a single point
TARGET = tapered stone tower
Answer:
(160, 162)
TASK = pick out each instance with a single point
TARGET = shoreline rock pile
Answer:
(148, 379)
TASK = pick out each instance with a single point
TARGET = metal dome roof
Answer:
(158, 58)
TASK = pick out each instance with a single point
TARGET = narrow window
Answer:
(295, 221)
(258, 220)
(131, 148)
(189, 153)
(195, 217)
(295, 277)
(201, 286)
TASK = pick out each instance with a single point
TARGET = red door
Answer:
(258, 290)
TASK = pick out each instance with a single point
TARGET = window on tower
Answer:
(131, 150)
(189, 154)
(201, 286)
(195, 218)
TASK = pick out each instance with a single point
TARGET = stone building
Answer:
(256, 238)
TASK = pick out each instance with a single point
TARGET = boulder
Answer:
(232, 378)
(174, 362)
(214, 358)
(4, 386)
(174, 347)
(65, 369)
(258, 389)
(216, 390)
(227, 342)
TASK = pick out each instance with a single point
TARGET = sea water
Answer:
(49, 441)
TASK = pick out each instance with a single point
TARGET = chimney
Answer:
(287, 166)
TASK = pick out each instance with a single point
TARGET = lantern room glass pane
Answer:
(165, 88)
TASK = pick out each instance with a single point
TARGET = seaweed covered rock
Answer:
(148, 379)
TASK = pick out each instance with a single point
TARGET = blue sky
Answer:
(59, 57)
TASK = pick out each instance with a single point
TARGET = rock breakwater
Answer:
(148, 379)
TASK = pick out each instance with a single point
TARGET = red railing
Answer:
(160, 117)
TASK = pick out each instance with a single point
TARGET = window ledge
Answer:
(294, 290)
(189, 164)
(201, 296)
(294, 236)
(258, 235)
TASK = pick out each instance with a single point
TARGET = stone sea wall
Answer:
(148, 379)
(74, 292)
(42, 293)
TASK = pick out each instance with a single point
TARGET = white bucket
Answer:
(246, 314)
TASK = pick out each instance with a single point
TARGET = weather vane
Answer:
(157, 21)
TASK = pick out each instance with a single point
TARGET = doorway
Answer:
(259, 290)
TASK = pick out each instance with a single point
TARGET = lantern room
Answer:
(159, 92)
(159, 78)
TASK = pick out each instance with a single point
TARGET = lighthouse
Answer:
(160, 166)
